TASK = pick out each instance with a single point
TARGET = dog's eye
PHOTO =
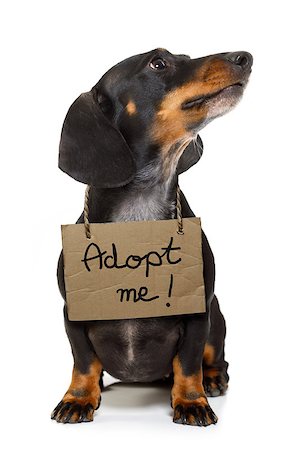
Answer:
(158, 64)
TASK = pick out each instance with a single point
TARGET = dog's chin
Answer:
(218, 105)
(224, 102)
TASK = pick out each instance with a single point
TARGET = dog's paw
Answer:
(215, 385)
(73, 412)
(194, 414)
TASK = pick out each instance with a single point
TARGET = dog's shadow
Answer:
(117, 394)
(155, 395)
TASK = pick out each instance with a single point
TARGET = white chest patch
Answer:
(144, 206)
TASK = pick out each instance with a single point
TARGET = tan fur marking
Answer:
(169, 126)
(87, 383)
(210, 78)
(185, 385)
(209, 354)
(211, 373)
(131, 108)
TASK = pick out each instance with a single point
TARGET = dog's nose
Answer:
(243, 59)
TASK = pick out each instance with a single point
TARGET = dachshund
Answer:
(129, 138)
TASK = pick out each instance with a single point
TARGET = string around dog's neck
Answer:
(86, 212)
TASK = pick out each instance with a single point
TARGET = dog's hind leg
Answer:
(215, 376)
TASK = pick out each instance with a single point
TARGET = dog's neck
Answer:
(147, 197)
(150, 196)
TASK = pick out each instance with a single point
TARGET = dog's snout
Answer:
(243, 59)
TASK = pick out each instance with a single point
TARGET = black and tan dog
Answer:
(129, 138)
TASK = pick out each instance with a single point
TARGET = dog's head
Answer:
(148, 110)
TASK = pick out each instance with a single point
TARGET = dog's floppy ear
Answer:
(191, 155)
(91, 149)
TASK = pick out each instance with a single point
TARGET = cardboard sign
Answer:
(133, 269)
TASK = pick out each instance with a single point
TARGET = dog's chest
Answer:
(150, 205)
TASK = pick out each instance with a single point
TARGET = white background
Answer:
(245, 188)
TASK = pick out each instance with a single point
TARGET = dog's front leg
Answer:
(188, 397)
(84, 394)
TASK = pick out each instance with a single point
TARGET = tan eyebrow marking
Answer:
(131, 108)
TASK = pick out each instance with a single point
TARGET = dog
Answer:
(128, 139)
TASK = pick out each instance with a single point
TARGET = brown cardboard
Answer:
(172, 278)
